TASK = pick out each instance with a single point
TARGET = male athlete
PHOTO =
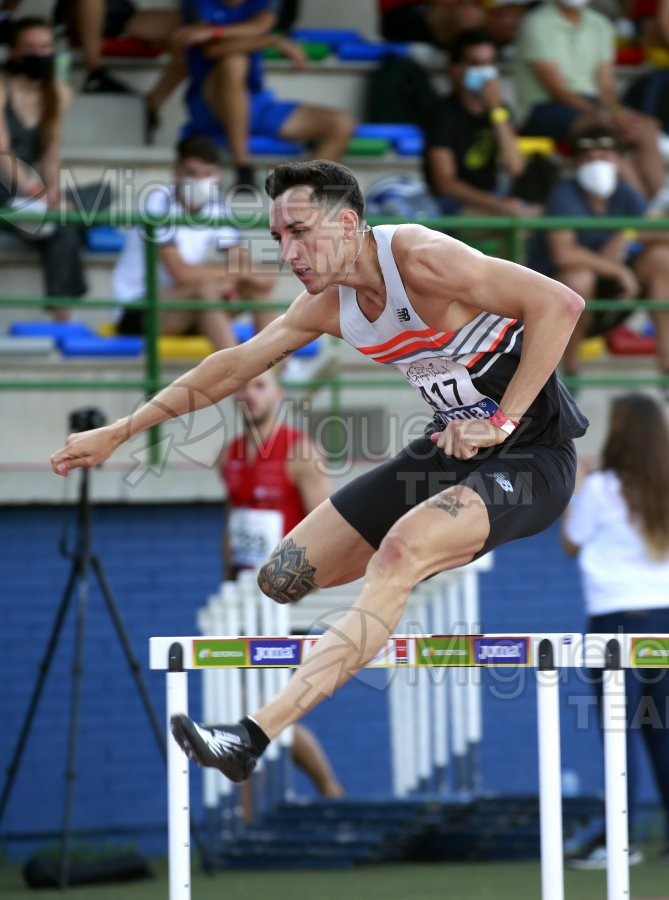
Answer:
(479, 338)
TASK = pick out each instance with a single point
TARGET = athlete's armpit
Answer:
(287, 576)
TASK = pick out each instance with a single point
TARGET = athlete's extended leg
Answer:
(441, 533)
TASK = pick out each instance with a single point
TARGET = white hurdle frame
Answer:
(546, 653)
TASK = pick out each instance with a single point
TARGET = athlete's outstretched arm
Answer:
(215, 378)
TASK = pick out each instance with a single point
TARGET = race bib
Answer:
(253, 534)
(448, 388)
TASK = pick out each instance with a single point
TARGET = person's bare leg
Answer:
(156, 26)
(331, 128)
(214, 323)
(227, 95)
(582, 280)
(652, 270)
(308, 755)
(90, 20)
(442, 533)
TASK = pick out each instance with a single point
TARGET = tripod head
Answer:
(82, 419)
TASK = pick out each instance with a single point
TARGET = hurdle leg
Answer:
(550, 792)
(615, 775)
(178, 797)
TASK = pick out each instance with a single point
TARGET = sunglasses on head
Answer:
(598, 143)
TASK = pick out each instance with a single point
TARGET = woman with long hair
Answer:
(33, 105)
(618, 524)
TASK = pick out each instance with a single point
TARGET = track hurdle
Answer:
(547, 653)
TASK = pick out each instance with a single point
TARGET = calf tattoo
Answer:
(287, 576)
(446, 502)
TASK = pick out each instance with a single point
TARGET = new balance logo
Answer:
(403, 314)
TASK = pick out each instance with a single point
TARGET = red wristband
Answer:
(217, 31)
(499, 420)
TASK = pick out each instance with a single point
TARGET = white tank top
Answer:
(456, 371)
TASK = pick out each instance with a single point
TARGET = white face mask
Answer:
(574, 4)
(598, 177)
(195, 192)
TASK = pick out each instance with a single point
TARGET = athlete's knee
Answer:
(394, 561)
(287, 576)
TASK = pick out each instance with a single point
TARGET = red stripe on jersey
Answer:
(415, 346)
(402, 336)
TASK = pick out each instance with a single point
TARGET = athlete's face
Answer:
(316, 241)
(259, 400)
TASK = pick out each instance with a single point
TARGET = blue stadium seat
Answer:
(56, 330)
(332, 36)
(95, 345)
(104, 239)
(393, 131)
(360, 51)
(409, 146)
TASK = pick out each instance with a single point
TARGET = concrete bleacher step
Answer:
(110, 120)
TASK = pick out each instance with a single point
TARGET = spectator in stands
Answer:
(650, 93)
(618, 524)
(271, 466)
(471, 140)
(34, 104)
(565, 79)
(600, 262)
(433, 22)
(224, 40)
(89, 22)
(183, 251)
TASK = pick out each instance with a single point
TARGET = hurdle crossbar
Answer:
(547, 653)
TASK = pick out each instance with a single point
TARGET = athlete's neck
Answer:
(364, 274)
(258, 433)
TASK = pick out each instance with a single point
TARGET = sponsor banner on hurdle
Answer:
(436, 650)
(650, 651)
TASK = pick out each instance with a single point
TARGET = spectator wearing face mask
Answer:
(33, 104)
(565, 81)
(601, 263)
(471, 142)
(185, 271)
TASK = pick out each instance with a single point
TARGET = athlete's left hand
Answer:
(464, 439)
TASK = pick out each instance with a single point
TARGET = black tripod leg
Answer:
(44, 667)
(136, 670)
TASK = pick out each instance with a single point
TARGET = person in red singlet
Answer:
(273, 467)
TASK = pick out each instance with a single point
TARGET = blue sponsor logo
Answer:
(275, 653)
(481, 410)
(500, 651)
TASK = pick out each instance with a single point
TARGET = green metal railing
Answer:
(511, 230)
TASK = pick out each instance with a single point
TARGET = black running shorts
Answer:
(525, 488)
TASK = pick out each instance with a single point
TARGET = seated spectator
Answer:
(224, 40)
(502, 20)
(471, 139)
(565, 80)
(34, 104)
(601, 263)
(427, 21)
(184, 272)
(650, 93)
(90, 21)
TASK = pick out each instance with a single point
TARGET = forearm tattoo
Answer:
(446, 502)
(287, 576)
(284, 355)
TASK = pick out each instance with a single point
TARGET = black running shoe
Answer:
(99, 81)
(224, 747)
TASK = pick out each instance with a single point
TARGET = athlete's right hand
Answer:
(87, 449)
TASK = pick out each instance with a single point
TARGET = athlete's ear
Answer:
(351, 223)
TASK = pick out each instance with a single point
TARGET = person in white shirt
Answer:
(184, 251)
(618, 524)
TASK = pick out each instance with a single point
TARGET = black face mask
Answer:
(32, 66)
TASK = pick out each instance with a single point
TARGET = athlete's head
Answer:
(197, 171)
(259, 400)
(317, 216)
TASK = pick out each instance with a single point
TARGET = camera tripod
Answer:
(83, 561)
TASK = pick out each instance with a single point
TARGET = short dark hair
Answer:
(331, 183)
(198, 146)
(470, 37)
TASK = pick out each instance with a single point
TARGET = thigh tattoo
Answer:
(287, 576)
(447, 502)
